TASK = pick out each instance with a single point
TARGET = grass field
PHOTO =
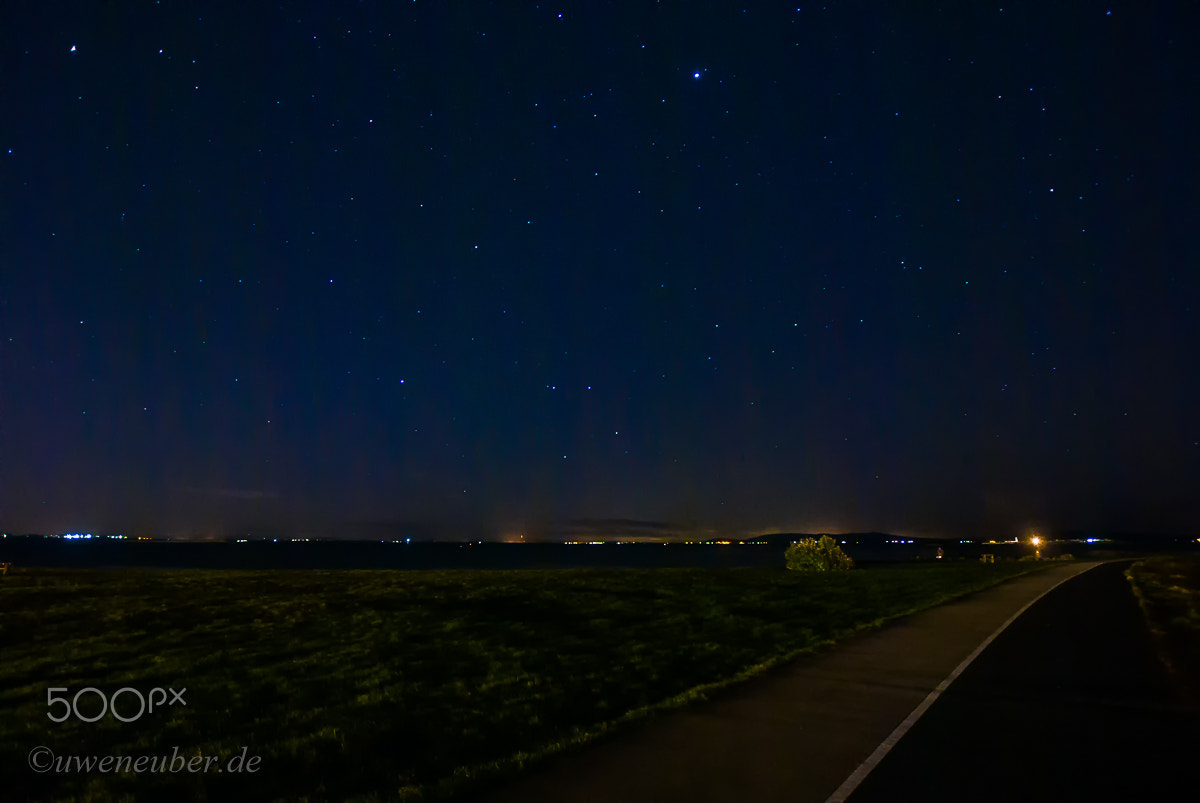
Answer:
(397, 685)
(1168, 588)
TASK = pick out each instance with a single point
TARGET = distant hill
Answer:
(860, 538)
(1145, 538)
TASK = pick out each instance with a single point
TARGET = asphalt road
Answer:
(1070, 702)
(793, 735)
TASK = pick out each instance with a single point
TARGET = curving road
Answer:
(1068, 703)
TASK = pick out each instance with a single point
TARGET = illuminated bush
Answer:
(813, 555)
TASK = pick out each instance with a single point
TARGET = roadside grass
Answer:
(1168, 589)
(383, 685)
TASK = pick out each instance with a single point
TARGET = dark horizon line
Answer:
(1049, 534)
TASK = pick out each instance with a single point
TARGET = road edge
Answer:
(864, 769)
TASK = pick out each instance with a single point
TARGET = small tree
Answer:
(812, 555)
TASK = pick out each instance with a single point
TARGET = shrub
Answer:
(812, 555)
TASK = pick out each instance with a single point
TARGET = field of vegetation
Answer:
(1168, 588)
(397, 685)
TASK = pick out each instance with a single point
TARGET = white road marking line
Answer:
(864, 769)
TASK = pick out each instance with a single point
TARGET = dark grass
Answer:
(387, 685)
(1168, 589)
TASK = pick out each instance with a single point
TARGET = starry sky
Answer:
(473, 269)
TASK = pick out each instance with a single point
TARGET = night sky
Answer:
(475, 269)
